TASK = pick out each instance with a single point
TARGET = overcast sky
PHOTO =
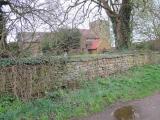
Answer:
(58, 12)
(80, 22)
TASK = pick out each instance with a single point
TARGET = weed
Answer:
(94, 96)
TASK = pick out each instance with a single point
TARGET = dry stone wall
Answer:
(28, 81)
(104, 66)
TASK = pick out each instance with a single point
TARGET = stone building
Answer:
(93, 40)
(97, 37)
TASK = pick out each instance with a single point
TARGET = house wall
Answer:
(83, 44)
(31, 42)
(33, 48)
(99, 28)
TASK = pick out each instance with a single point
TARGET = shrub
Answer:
(61, 41)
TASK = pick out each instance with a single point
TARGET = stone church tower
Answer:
(101, 29)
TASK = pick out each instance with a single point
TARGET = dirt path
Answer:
(145, 109)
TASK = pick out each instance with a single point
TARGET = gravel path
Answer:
(145, 109)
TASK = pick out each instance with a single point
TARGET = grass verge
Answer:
(95, 95)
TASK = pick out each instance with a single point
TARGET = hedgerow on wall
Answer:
(6, 62)
(34, 77)
(31, 77)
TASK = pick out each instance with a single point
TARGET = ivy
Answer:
(6, 62)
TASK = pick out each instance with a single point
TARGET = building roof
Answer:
(86, 33)
(31, 36)
(38, 36)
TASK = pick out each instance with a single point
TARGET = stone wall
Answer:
(103, 66)
(28, 81)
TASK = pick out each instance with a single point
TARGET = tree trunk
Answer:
(3, 43)
(122, 25)
(122, 32)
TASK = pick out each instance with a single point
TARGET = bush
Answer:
(142, 46)
(61, 41)
(5, 62)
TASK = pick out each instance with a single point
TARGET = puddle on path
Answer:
(125, 113)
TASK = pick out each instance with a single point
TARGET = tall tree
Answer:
(23, 15)
(3, 43)
(119, 12)
(147, 21)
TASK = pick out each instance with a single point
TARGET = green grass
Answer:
(94, 96)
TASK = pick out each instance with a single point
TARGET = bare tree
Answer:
(3, 43)
(25, 15)
(147, 21)
(119, 12)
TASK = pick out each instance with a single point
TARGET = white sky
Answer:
(40, 27)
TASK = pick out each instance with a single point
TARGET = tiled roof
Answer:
(86, 33)
(31, 36)
(38, 36)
